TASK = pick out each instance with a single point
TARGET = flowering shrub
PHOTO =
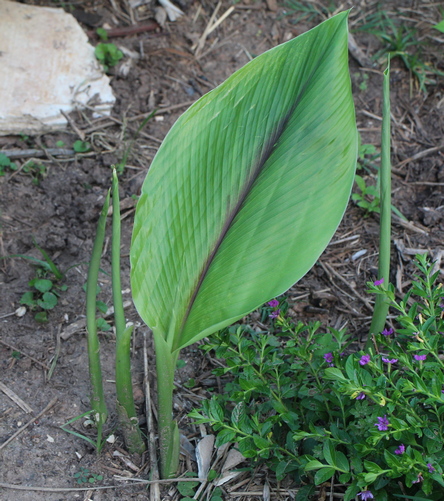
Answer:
(313, 406)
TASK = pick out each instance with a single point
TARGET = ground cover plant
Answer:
(312, 405)
(45, 287)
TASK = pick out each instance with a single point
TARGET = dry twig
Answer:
(15, 398)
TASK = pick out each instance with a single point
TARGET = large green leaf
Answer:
(247, 189)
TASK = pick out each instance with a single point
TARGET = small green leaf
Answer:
(102, 33)
(103, 325)
(314, 465)
(187, 488)
(41, 316)
(329, 453)
(372, 467)
(43, 285)
(216, 411)
(238, 413)
(440, 26)
(323, 475)
(81, 146)
(48, 301)
(28, 299)
(345, 478)
(334, 374)
(351, 492)
(369, 478)
(342, 462)
(101, 306)
(260, 442)
(212, 474)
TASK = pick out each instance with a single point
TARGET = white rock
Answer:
(47, 66)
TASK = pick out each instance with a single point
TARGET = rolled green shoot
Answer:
(381, 306)
(125, 400)
(98, 405)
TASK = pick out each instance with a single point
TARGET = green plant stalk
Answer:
(381, 305)
(168, 430)
(98, 404)
(125, 400)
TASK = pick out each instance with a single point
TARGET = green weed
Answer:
(363, 77)
(400, 41)
(84, 476)
(43, 296)
(108, 55)
(103, 34)
(36, 170)
(45, 286)
(367, 198)
(81, 146)
(5, 163)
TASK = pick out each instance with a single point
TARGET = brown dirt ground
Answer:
(61, 213)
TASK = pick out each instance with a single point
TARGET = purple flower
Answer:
(383, 423)
(419, 479)
(273, 303)
(420, 357)
(376, 283)
(366, 495)
(389, 360)
(365, 359)
(400, 449)
(274, 314)
(328, 357)
(388, 332)
(361, 396)
(430, 467)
